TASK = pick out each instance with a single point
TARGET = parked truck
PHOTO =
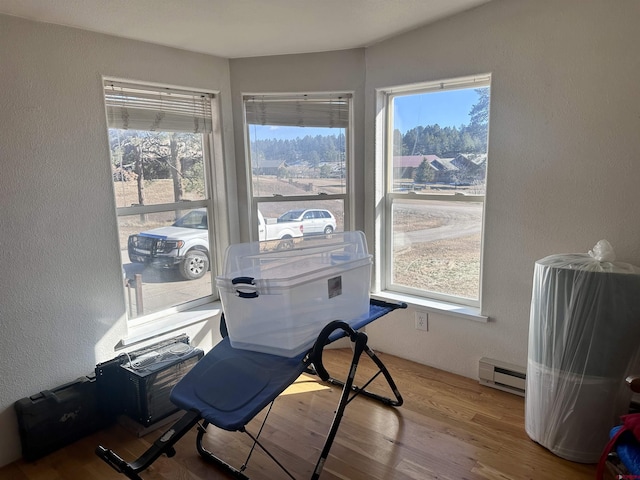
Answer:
(270, 229)
(185, 244)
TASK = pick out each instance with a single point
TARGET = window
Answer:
(298, 159)
(161, 142)
(435, 160)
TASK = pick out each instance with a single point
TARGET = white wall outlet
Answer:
(422, 320)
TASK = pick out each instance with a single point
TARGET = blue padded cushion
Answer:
(628, 450)
(230, 375)
(229, 386)
(375, 311)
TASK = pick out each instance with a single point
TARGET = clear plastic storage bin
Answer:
(278, 295)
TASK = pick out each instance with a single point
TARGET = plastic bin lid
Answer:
(298, 257)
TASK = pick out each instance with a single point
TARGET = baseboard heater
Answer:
(503, 376)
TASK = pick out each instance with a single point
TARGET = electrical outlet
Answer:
(422, 320)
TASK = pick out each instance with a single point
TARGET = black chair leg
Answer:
(162, 446)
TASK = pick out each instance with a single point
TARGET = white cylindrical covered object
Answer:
(584, 339)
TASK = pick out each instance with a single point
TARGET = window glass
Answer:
(436, 246)
(155, 168)
(160, 143)
(149, 246)
(298, 160)
(436, 170)
(301, 213)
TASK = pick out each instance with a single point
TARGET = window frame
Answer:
(346, 197)
(215, 202)
(385, 198)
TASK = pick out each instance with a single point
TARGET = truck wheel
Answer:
(286, 243)
(328, 230)
(194, 265)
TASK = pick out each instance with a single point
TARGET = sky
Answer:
(448, 108)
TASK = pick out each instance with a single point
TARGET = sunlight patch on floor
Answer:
(305, 384)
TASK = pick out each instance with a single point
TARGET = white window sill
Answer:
(170, 323)
(445, 308)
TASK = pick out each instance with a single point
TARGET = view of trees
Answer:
(313, 150)
(447, 142)
(146, 156)
(444, 142)
(143, 156)
(424, 173)
(318, 151)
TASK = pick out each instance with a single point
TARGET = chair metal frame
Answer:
(310, 362)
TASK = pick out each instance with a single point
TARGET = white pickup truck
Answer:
(185, 244)
(270, 229)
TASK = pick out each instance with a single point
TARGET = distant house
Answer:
(445, 170)
(267, 167)
(404, 166)
(463, 168)
(470, 160)
(472, 167)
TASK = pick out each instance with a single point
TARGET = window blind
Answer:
(131, 107)
(330, 111)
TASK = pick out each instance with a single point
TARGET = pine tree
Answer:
(424, 173)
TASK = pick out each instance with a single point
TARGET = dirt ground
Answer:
(451, 266)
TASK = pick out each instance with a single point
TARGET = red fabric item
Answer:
(630, 423)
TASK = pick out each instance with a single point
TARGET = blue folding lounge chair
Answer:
(228, 387)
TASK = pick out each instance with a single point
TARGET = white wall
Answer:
(62, 307)
(564, 153)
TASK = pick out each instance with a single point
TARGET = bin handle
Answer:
(245, 283)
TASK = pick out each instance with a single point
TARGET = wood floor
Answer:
(449, 428)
